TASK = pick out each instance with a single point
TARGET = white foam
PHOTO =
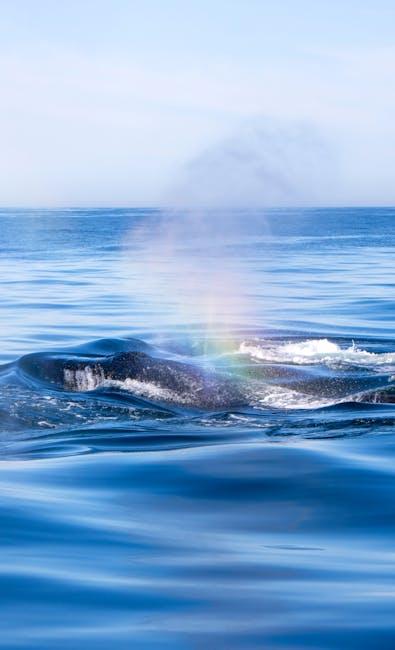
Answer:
(88, 379)
(148, 390)
(315, 351)
(85, 379)
(286, 398)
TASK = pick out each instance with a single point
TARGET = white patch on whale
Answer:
(90, 378)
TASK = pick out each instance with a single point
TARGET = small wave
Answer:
(278, 397)
(316, 351)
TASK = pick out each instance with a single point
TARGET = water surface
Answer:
(170, 481)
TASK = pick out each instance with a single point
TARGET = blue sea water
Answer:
(197, 429)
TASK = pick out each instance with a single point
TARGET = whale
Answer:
(166, 379)
(153, 378)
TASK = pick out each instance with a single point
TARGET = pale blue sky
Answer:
(120, 102)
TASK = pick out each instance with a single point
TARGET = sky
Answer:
(207, 102)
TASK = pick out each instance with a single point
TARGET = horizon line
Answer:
(200, 207)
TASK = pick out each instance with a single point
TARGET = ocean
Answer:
(197, 429)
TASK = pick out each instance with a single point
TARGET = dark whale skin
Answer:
(188, 383)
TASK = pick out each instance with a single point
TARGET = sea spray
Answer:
(192, 266)
(188, 265)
